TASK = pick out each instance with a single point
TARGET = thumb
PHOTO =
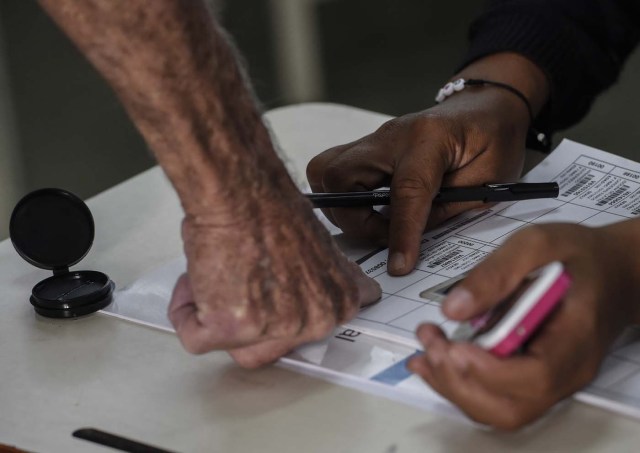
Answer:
(182, 305)
(369, 290)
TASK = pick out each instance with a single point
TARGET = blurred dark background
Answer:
(61, 126)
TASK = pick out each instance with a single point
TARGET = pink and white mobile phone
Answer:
(504, 329)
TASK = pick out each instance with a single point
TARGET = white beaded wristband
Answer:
(449, 89)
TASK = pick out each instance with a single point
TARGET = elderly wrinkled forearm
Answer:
(180, 81)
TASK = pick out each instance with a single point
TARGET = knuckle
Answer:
(408, 188)
(249, 322)
(317, 165)
(325, 161)
(239, 324)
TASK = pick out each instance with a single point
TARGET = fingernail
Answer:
(397, 262)
(458, 359)
(424, 335)
(458, 303)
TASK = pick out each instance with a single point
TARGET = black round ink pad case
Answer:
(53, 229)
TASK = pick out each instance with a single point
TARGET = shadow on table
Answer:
(570, 427)
(251, 393)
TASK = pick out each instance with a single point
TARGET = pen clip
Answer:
(526, 187)
(502, 186)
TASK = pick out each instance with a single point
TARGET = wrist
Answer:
(256, 212)
(514, 70)
(238, 194)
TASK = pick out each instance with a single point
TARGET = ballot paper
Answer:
(370, 352)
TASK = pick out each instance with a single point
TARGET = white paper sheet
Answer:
(597, 188)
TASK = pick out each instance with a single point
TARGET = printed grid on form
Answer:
(593, 192)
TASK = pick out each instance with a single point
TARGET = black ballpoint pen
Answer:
(487, 193)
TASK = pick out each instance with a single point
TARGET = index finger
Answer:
(415, 183)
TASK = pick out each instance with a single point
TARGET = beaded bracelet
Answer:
(460, 84)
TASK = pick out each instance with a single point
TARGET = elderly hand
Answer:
(565, 355)
(282, 283)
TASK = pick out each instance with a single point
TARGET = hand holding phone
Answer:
(504, 329)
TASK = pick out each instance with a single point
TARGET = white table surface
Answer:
(57, 376)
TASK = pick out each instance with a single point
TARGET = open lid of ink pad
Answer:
(53, 229)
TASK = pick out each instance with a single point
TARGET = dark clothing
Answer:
(581, 44)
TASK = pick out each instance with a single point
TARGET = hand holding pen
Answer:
(471, 139)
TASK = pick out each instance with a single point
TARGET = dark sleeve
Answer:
(580, 44)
